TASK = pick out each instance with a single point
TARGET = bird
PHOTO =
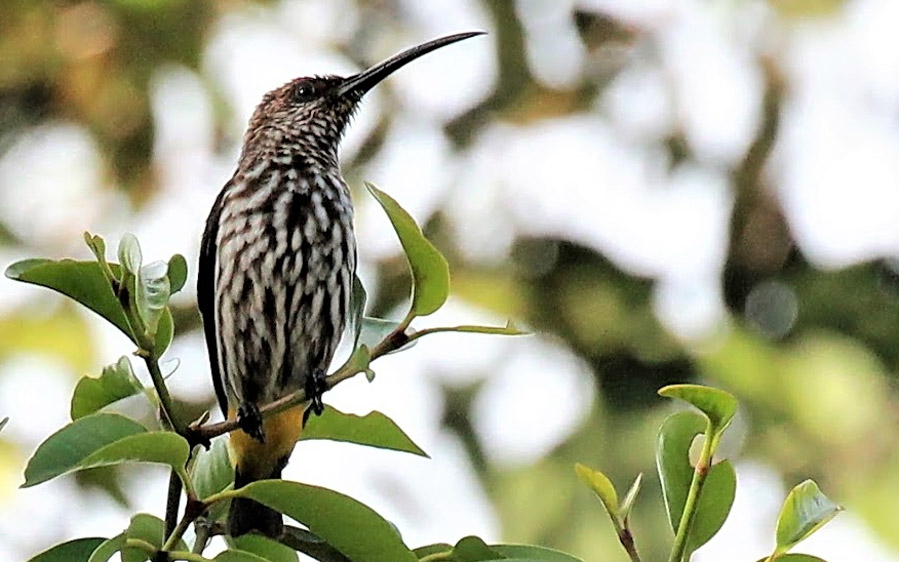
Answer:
(276, 269)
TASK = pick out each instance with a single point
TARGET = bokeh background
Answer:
(662, 190)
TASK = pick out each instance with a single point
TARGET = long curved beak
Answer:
(359, 84)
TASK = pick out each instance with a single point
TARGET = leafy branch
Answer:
(135, 298)
(698, 498)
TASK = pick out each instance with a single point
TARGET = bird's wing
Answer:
(206, 297)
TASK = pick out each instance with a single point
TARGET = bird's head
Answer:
(311, 114)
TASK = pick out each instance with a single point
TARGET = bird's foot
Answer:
(249, 419)
(316, 385)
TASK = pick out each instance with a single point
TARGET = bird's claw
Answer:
(316, 385)
(249, 419)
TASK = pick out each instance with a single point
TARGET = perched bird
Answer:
(277, 261)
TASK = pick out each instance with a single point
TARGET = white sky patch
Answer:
(837, 159)
(554, 51)
(532, 402)
(19, 399)
(655, 13)
(51, 183)
(414, 166)
(252, 54)
(751, 524)
(451, 80)
(573, 178)
(319, 21)
(478, 207)
(717, 84)
(638, 103)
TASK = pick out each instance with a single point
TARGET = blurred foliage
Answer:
(91, 63)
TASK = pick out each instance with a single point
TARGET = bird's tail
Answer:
(260, 460)
(246, 515)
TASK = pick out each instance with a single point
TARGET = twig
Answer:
(692, 502)
(173, 503)
(395, 340)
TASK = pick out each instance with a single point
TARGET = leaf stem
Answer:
(202, 532)
(438, 556)
(142, 545)
(187, 556)
(172, 503)
(224, 495)
(627, 541)
(623, 532)
(180, 529)
(166, 403)
(678, 550)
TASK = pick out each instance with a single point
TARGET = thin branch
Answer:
(438, 556)
(202, 533)
(166, 403)
(394, 341)
(627, 541)
(692, 503)
(186, 556)
(173, 503)
(142, 545)
(179, 531)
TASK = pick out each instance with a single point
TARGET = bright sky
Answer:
(594, 178)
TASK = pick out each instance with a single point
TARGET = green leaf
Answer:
(430, 271)
(116, 382)
(714, 505)
(65, 450)
(358, 299)
(153, 291)
(81, 281)
(602, 487)
(673, 462)
(718, 406)
(129, 254)
(360, 361)
(509, 329)
(805, 510)
(3, 422)
(177, 272)
(311, 544)
(238, 556)
(109, 547)
(474, 549)
(373, 429)
(165, 332)
(530, 552)
(265, 548)
(71, 551)
(157, 447)
(628, 502)
(212, 472)
(97, 246)
(147, 528)
(346, 524)
(437, 548)
(794, 558)
(676, 473)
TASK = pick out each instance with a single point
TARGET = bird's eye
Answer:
(304, 91)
